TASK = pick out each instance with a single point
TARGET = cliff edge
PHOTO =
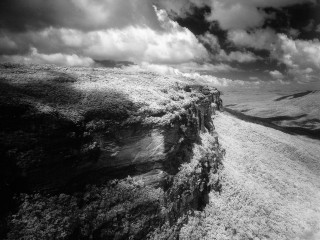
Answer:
(104, 153)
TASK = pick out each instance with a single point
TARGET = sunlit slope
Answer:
(271, 184)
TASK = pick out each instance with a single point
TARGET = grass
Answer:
(79, 92)
(52, 118)
(270, 186)
(285, 109)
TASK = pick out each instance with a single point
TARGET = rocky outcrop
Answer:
(170, 151)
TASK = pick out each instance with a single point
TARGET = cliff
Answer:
(104, 153)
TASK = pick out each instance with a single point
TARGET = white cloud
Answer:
(190, 71)
(86, 15)
(293, 32)
(235, 15)
(171, 44)
(258, 39)
(157, 68)
(297, 53)
(180, 8)
(304, 75)
(242, 57)
(253, 78)
(230, 14)
(56, 58)
(7, 45)
(206, 67)
(302, 57)
(276, 74)
(210, 41)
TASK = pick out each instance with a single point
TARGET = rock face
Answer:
(61, 134)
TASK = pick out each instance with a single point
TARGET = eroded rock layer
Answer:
(72, 136)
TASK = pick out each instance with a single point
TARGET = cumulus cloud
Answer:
(245, 14)
(297, 53)
(77, 32)
(181, 8)
(210, 41)
(217, 53)
(276, 74)
(171, 44)
(302, 57)
(258, 39)
(87, 15)
(241, 57)
(206, 67)
(236, 15)
(232, 14)
(56, 58)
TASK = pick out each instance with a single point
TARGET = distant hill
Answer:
(298, 112)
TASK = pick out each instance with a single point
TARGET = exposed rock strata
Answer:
(171, 153)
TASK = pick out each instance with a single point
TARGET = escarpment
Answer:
(104, 153)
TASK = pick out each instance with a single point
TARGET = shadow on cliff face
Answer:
(58, 139)
(43, 135)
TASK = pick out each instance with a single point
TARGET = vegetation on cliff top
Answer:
(52, 116)
(80, 92)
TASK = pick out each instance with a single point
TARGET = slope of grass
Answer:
(296, 110)
(270, 186)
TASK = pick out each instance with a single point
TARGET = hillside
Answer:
(106, 153)
(270, 186)
(102, 153)
(295, 111)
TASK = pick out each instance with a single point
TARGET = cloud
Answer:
(237, 56)
(171, 44)
(302, 57)
(56, 58)
(7, 46)
(180, 8)
(87, 15)
(245, 14)
(211, 42)
(254, 78)
(297, 53)
(258, 39)
(302, 76)
(236, 15)
(193, 71)
(276, 74)
(206, 67)
(231, 14)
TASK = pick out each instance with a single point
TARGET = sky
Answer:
(228, 42)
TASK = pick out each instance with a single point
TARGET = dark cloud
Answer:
(302, 17)
(24, 15)
(265, 39)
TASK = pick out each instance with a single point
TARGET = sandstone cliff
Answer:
(104, 153)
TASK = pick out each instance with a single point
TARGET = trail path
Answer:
(271, 184)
